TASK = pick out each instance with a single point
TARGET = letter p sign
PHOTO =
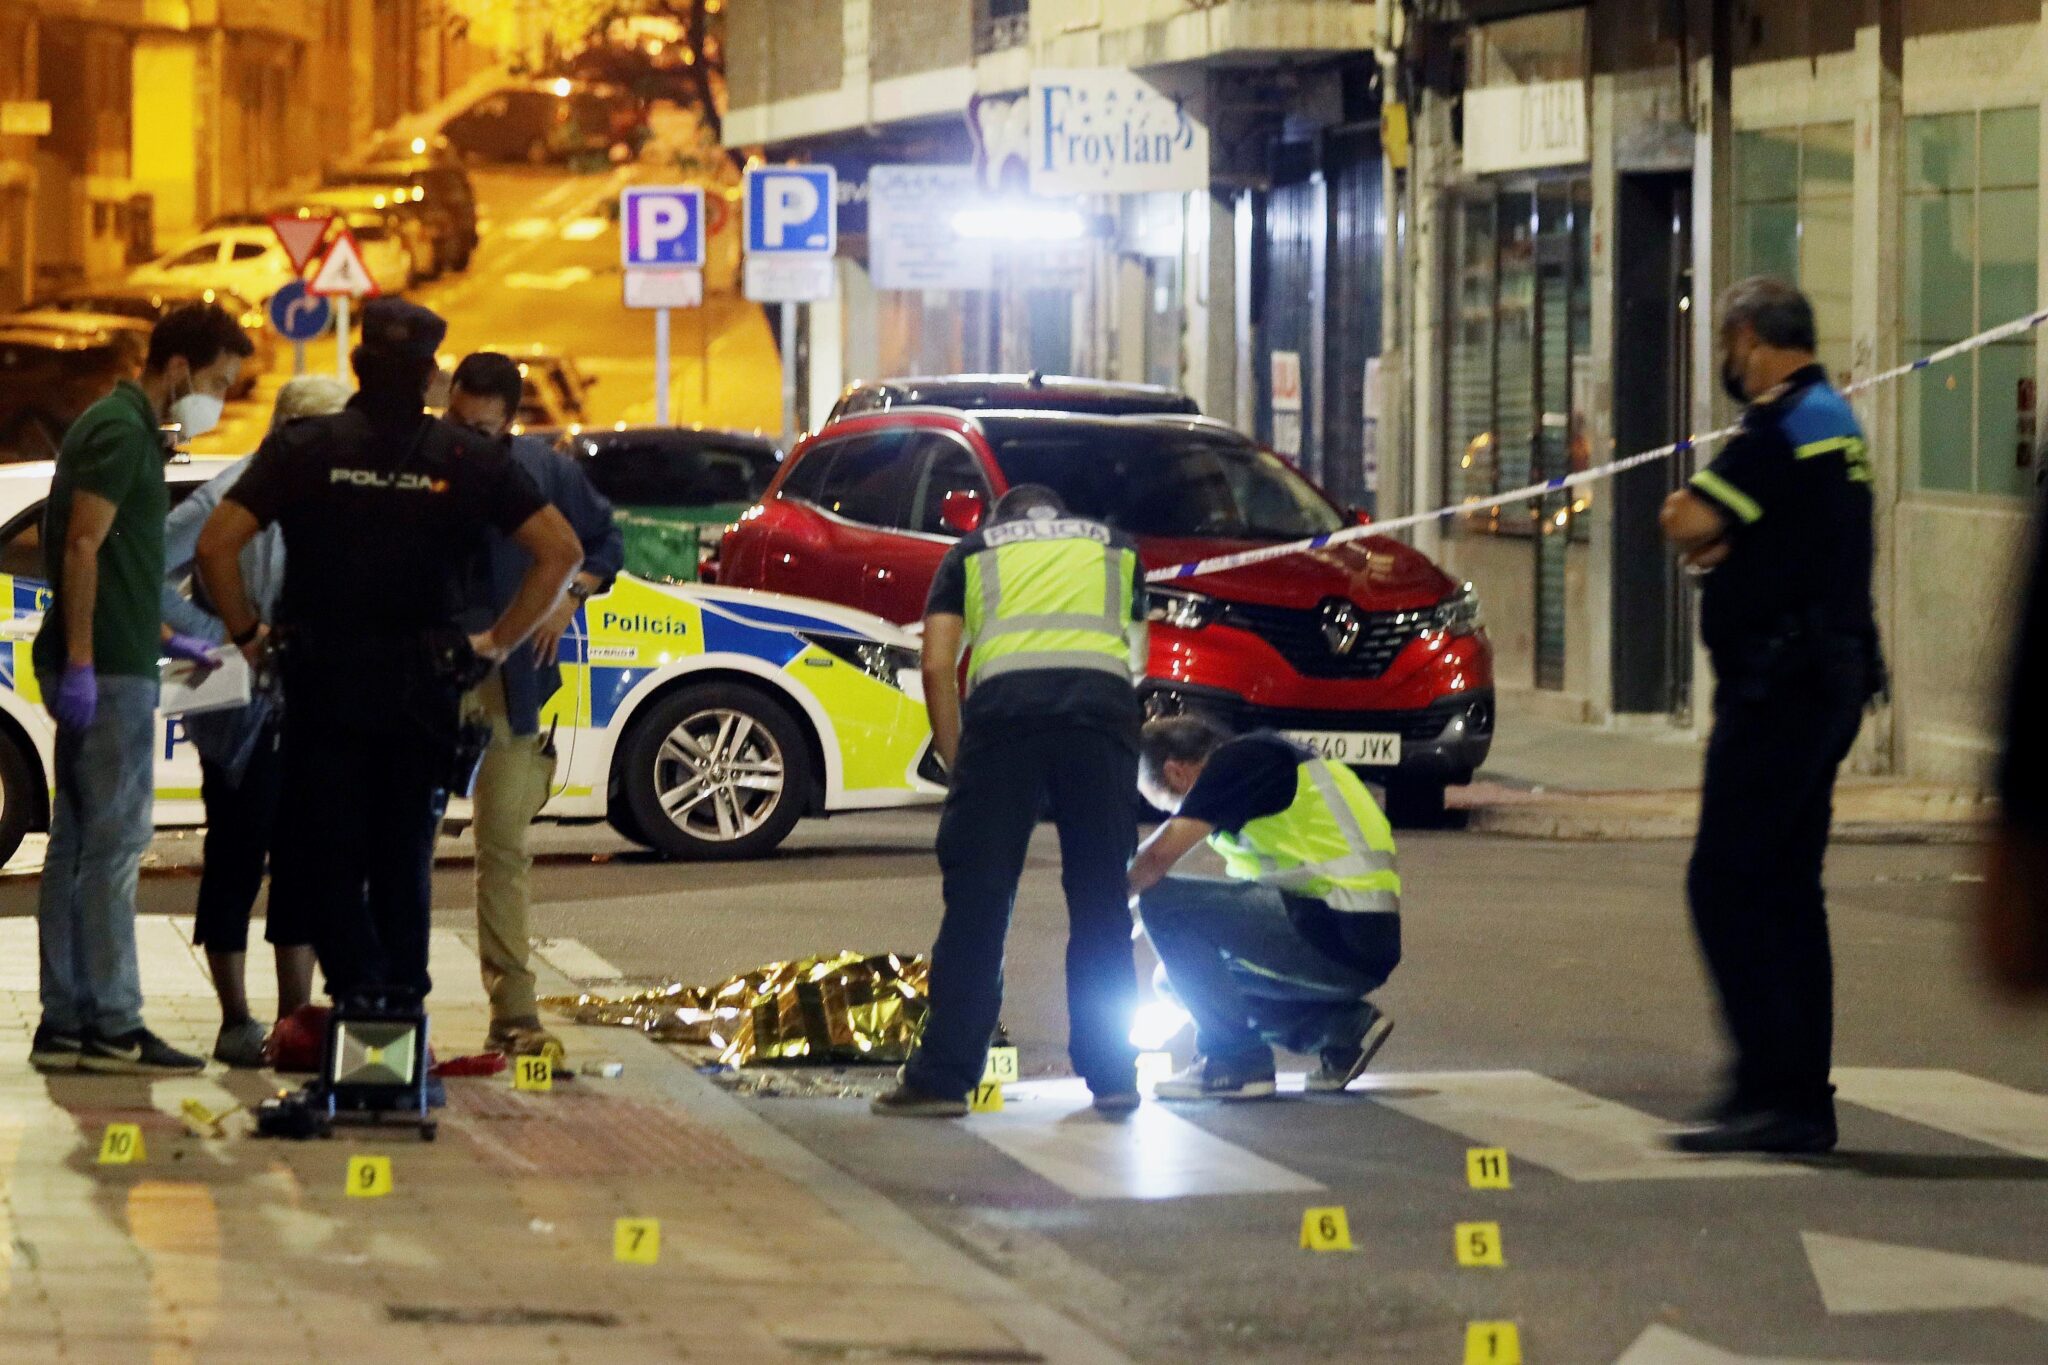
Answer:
(662, 225)
(791, 211)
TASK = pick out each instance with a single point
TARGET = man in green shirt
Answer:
(96, 661)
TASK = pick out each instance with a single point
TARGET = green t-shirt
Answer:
(112, 450)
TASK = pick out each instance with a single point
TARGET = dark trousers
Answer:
(361, 811)
(1248, 977)
(1005, 776)
(1755, 877)
(241, 819)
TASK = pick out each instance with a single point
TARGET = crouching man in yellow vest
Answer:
(1308, 924)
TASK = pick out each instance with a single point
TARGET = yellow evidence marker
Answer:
(1326, 1230)
(122, 1145)
(636, 1241)
(534, 1072)
(986, 1098)
(1479, 1244)
(1492, 1343)
(1486, 1168)
(369, 1177)
(1002, 1067)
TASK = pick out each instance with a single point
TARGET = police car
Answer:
(701, 722)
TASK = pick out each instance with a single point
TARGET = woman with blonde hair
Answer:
(240, 764)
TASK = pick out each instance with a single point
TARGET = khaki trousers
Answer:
(512, 784)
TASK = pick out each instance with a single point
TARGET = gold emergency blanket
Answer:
(844, 1008)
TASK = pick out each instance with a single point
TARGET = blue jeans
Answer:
(1239, 965)
(100, 823)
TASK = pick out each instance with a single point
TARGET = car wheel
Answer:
(715, 771)
(17, 796)
(1414, 803)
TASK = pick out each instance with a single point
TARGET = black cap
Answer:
(403, 328)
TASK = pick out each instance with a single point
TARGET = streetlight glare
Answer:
(1017, 223)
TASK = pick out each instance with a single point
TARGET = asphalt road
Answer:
(1550, 1004)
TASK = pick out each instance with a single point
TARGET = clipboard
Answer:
(189, 690)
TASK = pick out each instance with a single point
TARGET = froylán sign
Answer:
(1108, 131)
(1518, 127)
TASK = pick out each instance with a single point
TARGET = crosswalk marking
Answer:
(1579, 1136)
(1049, 1128)
(1967, 1106)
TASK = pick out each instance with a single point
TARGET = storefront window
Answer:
(1793, 198)
(1519, 331)
(1972, 223)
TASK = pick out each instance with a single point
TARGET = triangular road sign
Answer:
(300, 237)
(342, 270)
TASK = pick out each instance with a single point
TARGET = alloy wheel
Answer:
(719, 775)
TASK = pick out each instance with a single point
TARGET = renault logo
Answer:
(1342, 625)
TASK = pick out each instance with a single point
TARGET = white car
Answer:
(702, 722)
(242, 260)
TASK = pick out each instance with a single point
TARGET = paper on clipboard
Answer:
(189, 690)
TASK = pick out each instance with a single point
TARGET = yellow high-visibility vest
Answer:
(1049, 594)
(1331, 844)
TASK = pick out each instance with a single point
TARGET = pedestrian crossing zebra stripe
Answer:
(1955, 1102)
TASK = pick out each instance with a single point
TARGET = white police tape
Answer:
(1196, 568)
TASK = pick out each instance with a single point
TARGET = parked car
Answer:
(244, 259)
(520, 119)
(972, 392)
(702, 722)
(441, 190)
(147, 303)
(1366, 651)
(55, 365)
(553, 392)
(674, 489)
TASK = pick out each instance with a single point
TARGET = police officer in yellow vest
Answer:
(1307, 926)
(1050, 607)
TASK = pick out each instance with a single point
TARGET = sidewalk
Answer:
(1556, 779)
(495, 1244)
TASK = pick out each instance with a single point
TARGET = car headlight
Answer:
(1458, 614)
(1181, 610)
(882, 662)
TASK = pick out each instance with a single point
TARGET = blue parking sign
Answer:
(662, 225)
(791, 211)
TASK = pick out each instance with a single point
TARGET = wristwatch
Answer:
(243, 637)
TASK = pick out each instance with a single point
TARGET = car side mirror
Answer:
(962, 510)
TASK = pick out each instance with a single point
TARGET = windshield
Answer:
(1164, 482)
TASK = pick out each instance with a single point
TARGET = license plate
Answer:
(1369, 748)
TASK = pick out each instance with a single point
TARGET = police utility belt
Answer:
(405, 683)
(1800, 644)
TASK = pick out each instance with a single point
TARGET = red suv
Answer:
(1365, 651)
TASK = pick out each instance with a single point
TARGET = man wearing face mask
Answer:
(96, 660)
(1779, 527)
(518, 768)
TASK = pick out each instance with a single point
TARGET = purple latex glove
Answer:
(78, 697)
(193, 650)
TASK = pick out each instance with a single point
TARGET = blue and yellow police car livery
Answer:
(700, 721)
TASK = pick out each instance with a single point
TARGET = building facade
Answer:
(1448, 250)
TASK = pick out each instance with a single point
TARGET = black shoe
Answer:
(1343, 1065)
(1209, 1079)
(137, 1052)
(55, 1050)
(1767, 1130)
(907, 1101)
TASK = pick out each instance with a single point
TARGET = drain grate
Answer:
(431, 1316)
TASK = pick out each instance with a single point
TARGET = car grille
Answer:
(1297, 635)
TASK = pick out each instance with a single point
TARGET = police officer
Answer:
(1779, 525)
(385, 510)
(1051, 607)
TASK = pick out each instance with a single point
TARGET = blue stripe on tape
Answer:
(1683, 446)
(1923, 362)
(1557, 482)
(1318, 542)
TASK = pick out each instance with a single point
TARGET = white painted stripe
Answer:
(1661, 1345)
(1049, 1128)
(1983, 1111)
(1551, 1124)
(573, 959)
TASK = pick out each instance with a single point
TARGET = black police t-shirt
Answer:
(384, 514)
(1068, 695)
(1257, 775)
(1794, 490)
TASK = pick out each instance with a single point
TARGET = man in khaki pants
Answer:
(518, 768)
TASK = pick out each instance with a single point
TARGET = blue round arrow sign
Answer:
(297, 314)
